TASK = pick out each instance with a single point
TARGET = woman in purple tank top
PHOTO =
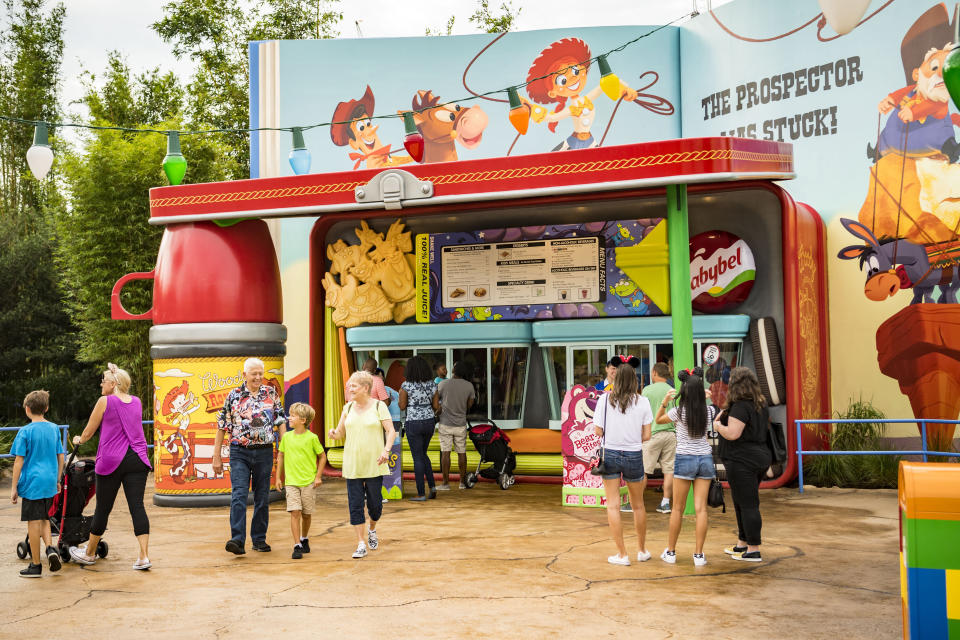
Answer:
(121, 461)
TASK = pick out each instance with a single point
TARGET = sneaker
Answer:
(626, 508)
(262, 547)
(699, 560)
(79, 555)
(372, 540)
(670, 557)
(297, 552)
(32, 571)
(734, 550)
(305, 544)
(53, 559)
(664, 507)
(443, 487)
(419, 499)
(623, 561)
(433, 493)
(748, 556)
(142, 565)
(643, 556)
(385, 500)
(361, 550)
(235, 547)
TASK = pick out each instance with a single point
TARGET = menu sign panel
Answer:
(548, 271)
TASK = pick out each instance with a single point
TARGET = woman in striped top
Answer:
(694, 462)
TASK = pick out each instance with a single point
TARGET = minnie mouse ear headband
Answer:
(618, 360)
(686, 373)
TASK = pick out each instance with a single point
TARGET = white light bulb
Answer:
(843, 15)
(40, 159)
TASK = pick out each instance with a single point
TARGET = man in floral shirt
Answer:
(251, 416)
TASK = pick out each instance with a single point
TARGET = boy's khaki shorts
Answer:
(662, 448)
(301, 499)
(453, 438)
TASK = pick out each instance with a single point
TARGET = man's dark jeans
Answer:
(246, 465)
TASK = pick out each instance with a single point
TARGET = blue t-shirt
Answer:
(39, 444)
(394, 405)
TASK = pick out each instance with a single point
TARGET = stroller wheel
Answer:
(22, 550)
(470, 480)
(103, 549)
(505, 480)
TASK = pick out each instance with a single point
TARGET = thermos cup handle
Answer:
(117, 312)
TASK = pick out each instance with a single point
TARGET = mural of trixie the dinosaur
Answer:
(892, 264)
(442, 124)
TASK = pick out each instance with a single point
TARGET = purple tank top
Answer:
(120, 429)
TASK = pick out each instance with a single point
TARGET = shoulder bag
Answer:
(597, 465)
(776, 442)
(715, 492)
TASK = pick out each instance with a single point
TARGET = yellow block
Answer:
(648, 264)
(953, 594)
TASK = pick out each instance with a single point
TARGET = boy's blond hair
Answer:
(303, 411)
(37, 402)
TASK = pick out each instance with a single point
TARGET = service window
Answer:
(435, 357)
(642, 351)
(588, 364)
(394, 362)
(476, 361)
(508, 369)
(717, 359)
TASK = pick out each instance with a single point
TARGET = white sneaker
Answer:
(699, 560)
(142, 565)
(462, 486)
(443, 487)
(643, 556)
(361, 550)
(385, 501)
(670, 557)
(623, 561)
(79, 555)
(372, 540)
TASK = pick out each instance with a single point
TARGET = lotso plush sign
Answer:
(722, 271)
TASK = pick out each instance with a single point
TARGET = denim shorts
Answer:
(628, 464)
(690, 467)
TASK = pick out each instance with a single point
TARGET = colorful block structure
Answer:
(930, 550)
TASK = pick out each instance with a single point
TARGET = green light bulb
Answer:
(174, 164)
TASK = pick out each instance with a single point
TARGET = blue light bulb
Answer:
(300, 161)
(299, 156)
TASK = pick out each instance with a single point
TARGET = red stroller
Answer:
(67, 521)
(493, 444)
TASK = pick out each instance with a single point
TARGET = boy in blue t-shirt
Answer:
(36, 471)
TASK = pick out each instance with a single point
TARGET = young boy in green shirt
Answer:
(300, 467)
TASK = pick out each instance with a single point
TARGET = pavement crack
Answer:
(87, 596)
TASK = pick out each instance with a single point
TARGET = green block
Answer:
(932, 544)
(953, 629)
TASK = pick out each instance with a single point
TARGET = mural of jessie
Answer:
(354, 128)
(559, 75)
(177, 406)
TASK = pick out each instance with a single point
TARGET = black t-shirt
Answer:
(751, 447)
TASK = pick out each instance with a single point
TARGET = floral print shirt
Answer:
(419, 398)
(252, 419)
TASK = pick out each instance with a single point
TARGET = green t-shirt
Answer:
(655, 393)
(364, 441)
(300, 452)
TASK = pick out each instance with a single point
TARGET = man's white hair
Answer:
(252, 362)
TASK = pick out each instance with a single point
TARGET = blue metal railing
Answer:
(63, 437)
(924, 451)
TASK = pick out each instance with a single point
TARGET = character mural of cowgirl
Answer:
(559, 75)
(177, 406)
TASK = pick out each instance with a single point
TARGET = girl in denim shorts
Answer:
(694, 461)
(624, 418)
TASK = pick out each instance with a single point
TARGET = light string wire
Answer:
(94, 127)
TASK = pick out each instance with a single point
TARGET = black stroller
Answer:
(67, 521)
(494, 446)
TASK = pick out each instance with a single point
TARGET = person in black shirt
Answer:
(742, 426)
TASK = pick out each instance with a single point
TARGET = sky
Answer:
(94, 27)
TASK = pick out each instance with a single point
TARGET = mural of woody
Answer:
(354, 128)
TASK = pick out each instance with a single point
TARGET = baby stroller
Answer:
(67, 521)
(494, 446)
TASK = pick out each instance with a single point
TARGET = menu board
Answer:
(548, 271)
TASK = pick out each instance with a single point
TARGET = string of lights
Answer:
(40, 155)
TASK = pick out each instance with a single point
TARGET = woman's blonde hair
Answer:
(119, 376)
(364, 378)
(624, 390)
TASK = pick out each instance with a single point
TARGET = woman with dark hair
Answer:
(418, 396)
(623, 417)
(694, 461)
(742, 426)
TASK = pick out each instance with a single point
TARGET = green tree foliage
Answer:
(105, 234)
(484, 19)
(214, 35)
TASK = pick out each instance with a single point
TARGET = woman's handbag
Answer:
(715, 493)
(597, 466)
(776, 443)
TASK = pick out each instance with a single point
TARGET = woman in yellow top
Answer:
(368, 428)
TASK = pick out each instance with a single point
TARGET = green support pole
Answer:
(681, 310)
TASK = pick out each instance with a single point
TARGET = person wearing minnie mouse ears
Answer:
(611, 370)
